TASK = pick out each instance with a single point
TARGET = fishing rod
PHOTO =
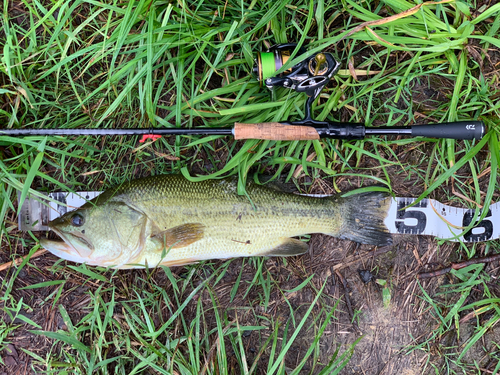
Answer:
(280, 131)
(310, 77)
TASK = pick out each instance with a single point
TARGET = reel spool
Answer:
(268, 63)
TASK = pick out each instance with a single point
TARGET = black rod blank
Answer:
(102, 132)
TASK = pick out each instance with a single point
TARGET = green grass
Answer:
(448, 313)
(69, 64)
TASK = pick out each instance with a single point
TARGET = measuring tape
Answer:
(430, 217)
(36, 214)
(427, 217)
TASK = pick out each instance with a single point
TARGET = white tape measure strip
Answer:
(428, 217)
(35, 215)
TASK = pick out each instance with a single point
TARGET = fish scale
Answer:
(167, 220)
(232, 226)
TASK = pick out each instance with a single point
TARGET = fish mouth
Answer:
(62, 250)
(65, 249)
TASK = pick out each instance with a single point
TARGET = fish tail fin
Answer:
(364, 218)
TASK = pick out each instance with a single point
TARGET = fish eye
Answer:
(77, 220)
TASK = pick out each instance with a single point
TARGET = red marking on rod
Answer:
(154, 137)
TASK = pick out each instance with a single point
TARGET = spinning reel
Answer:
(309, 76)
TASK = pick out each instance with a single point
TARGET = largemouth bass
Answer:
(167, 220)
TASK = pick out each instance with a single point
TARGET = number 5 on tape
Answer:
(430, 217)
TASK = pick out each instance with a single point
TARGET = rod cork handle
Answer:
(274, 131)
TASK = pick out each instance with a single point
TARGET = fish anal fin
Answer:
(178, 262)
(180, 236)
(289, 247)
(166, 263)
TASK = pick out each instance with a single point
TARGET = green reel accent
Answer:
(268, 64)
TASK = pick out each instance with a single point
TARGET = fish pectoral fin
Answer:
(289, 247)
(180, 236)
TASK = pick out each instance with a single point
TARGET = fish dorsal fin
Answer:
(180, 236)
(277, 185)
(289, 247)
